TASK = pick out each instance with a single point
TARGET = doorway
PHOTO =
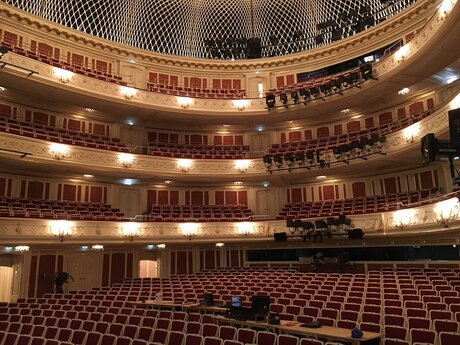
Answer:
(6, 283)
(148, 269)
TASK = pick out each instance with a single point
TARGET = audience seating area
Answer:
(359, 205)
(199, 151)
(202, 213)
(55, 209)
(409, 306)
(60, 135)
(331, 141)
(76, 66)
(195, 92)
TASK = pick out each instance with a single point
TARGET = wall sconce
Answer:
(446, 211)
(404, 218)
(97, 247)
(61, 229)
(128, 92)
(402, 53)
(130, 230)
(63, 75)
(184, 102)
(445, 7)
(242, 165)
(411, 131)
(189, 230)
(161, 246)
(21, 249)
(219, 244)
(184, 164)
(245, 229)
(125, 159)
(240, 104)
(59, 151)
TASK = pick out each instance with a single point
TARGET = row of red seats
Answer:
(359, 205)
(331, 141)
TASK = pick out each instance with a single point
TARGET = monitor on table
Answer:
(208, 299)
(236, 301)
(260, 304)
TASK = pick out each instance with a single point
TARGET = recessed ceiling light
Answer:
(219, 244)
(404, 91)
(257, 72)
(265, 184)
(345, 111)
(168, 182)
(89, 110)
(356, 117)
(2, 88)
(226, 126)
(132, 61)
(88, 176)
(260, 129)
(321, 177)
(128, 181)
(237, 183)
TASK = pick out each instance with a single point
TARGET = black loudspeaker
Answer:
(280, 237)
(429, 148)
(454, 127)
(355, 234)
(254, 50)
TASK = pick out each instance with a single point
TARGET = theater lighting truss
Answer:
(344, 153)
(319, 230)
(334, 85)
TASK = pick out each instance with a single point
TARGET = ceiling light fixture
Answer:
(404, 91)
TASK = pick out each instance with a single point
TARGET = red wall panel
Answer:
(295, 136)
(105, 270)
(390, 185)
(328, 192)
(96, 194)
(46, 265)
(2, 186)
(69, 192)
(151, 198)
(220, 197)
(231, 198)
(181, 262)
(353, 126)
(322, 132)
(197, 197)
(385, 118)
(359, 189)
(426, 180)
(296, 195)
(117, 269)
(35, 190)
(242, 197)
(163, 197)
(174, 197)
(210, 259)
(33, 275)
(416, 108)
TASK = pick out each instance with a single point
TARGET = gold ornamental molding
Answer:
(379, 36)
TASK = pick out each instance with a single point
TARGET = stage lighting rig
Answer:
(270, 101)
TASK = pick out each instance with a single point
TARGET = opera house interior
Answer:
(229, 172)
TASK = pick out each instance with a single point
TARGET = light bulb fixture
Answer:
(59, 151)
(161, 246)
(184, 102)
(445, 7)
(128, 92)
(184, 164)
(63, 75)
(404, 218)
(321, 177)
(240, 104)
(97, 247)
(402, 53)
(61, 229)
(410, 132)
(125, 159)
(21, 249)
(403, 91)
(219, 244)
(130, 230)
(189, 230)
(242, 165)
(245, 229)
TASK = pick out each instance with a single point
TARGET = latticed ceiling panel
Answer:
(200, 28)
